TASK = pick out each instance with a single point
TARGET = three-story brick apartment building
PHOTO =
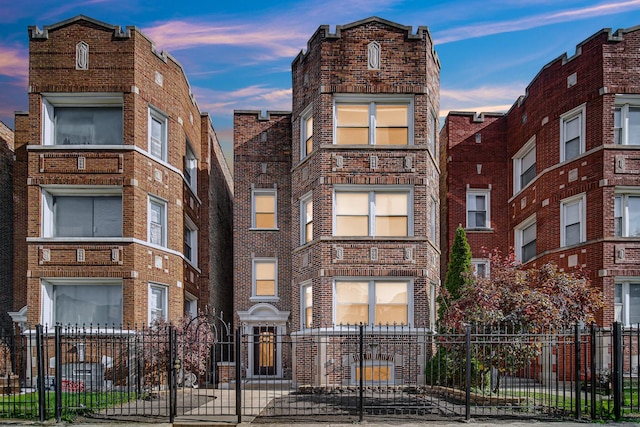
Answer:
(558, 176)
(336, 202)
(120, 184)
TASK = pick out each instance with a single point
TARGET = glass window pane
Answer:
(265, 220)
(352, 292)
(108, 216)
(265, 287)
(348, 203)
(633, 210)
(391, 203)
(265, 270)
(572, 128)
(88, 125)
(265, 202)
(352, 226)
(529, 251)
(572, 213)
(392, 136)
(78, 304)
(529, 233)
(352, 314)
(308, 211)
(352, 115)
(529, 159)
(633, 133)
(391, 115)
(73, 216)
(634, 303)
(347, 136)
(391, 226)
(572, 235)
(391, 293)
(390, 314)
(572, 149)
(309, 127)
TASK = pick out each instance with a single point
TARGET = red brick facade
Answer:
(83, 62)
(589, 86)
(6, 225)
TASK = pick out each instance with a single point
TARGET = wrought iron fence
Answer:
(339, 373)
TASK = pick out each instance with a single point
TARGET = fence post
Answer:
(361, 368)
(617, 370)
(238, 373)
(592, 355)
(467, 399)
(577, 362)
(40, 367)
(58, 382)
(171, 375)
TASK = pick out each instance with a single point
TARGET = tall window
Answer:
(306, 133)
(627, 121)
(478, 209)
(378, 212)
(433, 129)
(86, 212)
(158, 134)
(572, 214)
(306, 297)
(525, 238)
(265, 278)
(433, 224)
(191, 168)
(306, 219)
(190, 241)
(82, 120)
(372, 301)
(157, 302)
(524, 166)
(264, 209)
(373, 122)
(82, 301)
(627, 301)
(157, 222)
(627, 215)
(480, 267)
(572, 130)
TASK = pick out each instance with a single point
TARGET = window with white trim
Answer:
(627, 120)
(433, 132)
(82, 212)
(524, 165)
(191, 168)
(627, 213)
(478, 212)
(190, 305)
(87, 301)
(158, 302)
(572, 220)
(572, 130)
(306, 218)
(157, 221)
(263, 208)
(480, 267)
(88, 119)
(627, 301)
(372, 301)
(306, 300)
(433, 224)
(306, 133)
(525, 239)
(367, 211)
(265, 278)
(158, 134)
(373, 121)
(190, 241)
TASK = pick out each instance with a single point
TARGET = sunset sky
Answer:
(237, 54)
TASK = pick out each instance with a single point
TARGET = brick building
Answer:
(336, 202)
(6, 225)
(119, 184)
(557, 176)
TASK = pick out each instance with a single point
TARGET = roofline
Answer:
(262, 115)
(37, 33)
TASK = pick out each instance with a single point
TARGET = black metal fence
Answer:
(201, 369)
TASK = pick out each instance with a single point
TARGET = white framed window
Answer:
(158, 134)
(572, 220)
(263, 208)
(524, 165)
(432, 305)
(480, 267)
(88, 119)
(433, 222)
(572, 131)
(190, 236)
(306, 304)
(373, 120)
(373, 301)
(433, 135)
(157, 221)
(306, 218)
(158, 302)
(88, 301)
(81, 212)
(190, 305)
(191, 168)
(627, 120)
(378, 211)
(306, 132)
(265, 278)
(627, 212)
(478, 208)
(627, 300)
(525, 239)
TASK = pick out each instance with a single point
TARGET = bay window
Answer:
(372, 301)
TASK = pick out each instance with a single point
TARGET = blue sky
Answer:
(237, 54)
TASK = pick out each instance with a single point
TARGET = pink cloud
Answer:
(14, 63)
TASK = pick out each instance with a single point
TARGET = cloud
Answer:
(14, 63)
(490, 28)
(255, 97)
(480, 99)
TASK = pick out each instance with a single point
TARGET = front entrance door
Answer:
(264, 351)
